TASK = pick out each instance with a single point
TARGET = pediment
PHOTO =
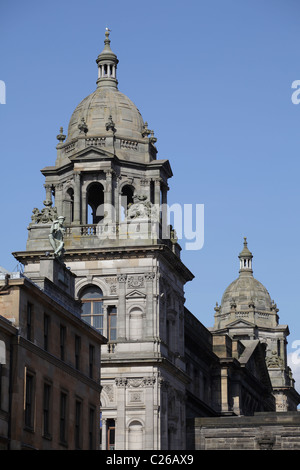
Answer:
(92, 153)
(240, 324)
(135, 294)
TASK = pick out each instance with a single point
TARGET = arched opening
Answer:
(92, 307)
(95, 203)
(136, 324)
(69, 206)
(135, 436)
(126, 199)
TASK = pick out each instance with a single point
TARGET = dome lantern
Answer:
(245, 257)
(107, 65)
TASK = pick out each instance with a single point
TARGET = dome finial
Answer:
(107, 64)
(245, 257)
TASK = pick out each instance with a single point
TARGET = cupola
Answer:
(107, 63)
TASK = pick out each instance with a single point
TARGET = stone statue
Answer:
(141, 207)
(56, 237)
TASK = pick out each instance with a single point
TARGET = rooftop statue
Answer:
(56, 236)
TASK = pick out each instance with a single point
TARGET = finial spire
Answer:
(107, 64)
(245, 257)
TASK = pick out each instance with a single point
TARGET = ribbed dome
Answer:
(96, 110)
(246, 291)
(106, 104)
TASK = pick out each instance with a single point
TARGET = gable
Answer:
(240, 324)
(91, 153)
(135, 294)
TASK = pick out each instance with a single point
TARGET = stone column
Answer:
(104, 434)
(58, 199)
(224, 389)
(108, 195)
(149, 277)
(120, 422)
(121, 335)
(117, 200)
(149, 418)
(77, 191)
(157, 192)
(48, 192)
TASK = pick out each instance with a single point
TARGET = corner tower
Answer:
(247, 313)
(111, 188)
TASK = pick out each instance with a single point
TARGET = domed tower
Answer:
(111, 189)
(247, 313)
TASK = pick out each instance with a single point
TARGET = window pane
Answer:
(97, 307)
(98, 322)
(86, 308)
(113, 335)
(113, 321)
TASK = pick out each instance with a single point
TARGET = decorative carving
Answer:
(129, 144)
(109, 390)
(61, 137)
(112, 282)
(121, 382)
(141, 208)
(149, 381)
(46, 215)
(135, 397)
(274, 360)
(135, 281)
(70, 147)
(149, 276)
(145, 131)
(95, 142)
(122, 277)
(110, 125)
(82, 126)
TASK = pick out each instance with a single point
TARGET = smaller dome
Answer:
(243, 292)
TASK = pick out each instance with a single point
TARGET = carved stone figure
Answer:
(141, 208)
(56, 236)
(46, 215)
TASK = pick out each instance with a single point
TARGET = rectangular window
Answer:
(110, 434)
(62, 342)
(78, 424)
(63, 418)
(77, 351)
(46, 410)
(92, 429)
(91, 360)
(29, 322)
(112, 323)
(46, 331)
(29, 400)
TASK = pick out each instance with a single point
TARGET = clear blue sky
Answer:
(213, 79)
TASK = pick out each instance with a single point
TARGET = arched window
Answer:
(95, 203)
(69, 206)
(126, 198)
(92, 307)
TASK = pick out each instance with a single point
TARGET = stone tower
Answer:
(111, 188)
(247, 313)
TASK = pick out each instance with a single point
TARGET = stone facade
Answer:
(49, 364)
